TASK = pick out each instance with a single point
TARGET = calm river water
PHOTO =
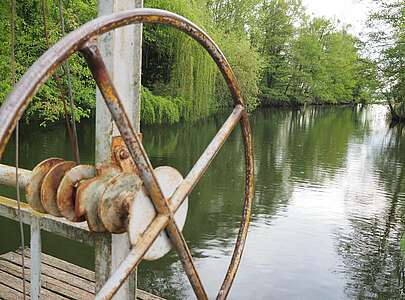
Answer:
(328, 213)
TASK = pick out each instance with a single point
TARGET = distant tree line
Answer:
(280, 54)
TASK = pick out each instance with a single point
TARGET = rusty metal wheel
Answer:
(84, 40)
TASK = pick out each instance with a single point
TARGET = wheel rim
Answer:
(82, 40)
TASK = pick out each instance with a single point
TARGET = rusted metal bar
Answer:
(179, 242)
(121, 50)
(133, 258)
(138, 153)
(100, 74)
(7, 176)
(247, 210)
(58, 226)
(207, 157)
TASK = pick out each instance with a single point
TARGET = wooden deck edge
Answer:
(53, 283)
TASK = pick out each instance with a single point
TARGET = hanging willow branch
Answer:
(58, 78)
(66, 68)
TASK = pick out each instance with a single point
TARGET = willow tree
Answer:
(236, 19)
(184, 70)
(234, 15)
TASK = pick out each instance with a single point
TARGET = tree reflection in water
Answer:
(370, 246)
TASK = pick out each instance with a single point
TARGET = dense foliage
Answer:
(30, 44)
(387, 38)
(279, 54)
(314, 62)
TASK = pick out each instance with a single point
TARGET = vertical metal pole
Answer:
(36, 250)
(122, 53)
(102, 259)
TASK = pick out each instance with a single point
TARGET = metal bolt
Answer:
(123, 154)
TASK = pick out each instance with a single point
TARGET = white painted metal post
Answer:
(36, 249)
(122, 53)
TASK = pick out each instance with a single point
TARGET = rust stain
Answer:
(115, 201)
(50, 186)
(88, 197)
(121, 155)
(33, 189)
(66, 194)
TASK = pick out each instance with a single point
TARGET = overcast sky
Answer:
(352, 12)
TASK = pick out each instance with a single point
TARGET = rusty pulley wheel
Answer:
(84, 40)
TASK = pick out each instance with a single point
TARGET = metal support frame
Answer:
(122, 52)
(36, 249)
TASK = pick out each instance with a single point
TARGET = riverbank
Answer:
(160, 110)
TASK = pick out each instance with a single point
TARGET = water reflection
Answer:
(328, 212)
(375, 212)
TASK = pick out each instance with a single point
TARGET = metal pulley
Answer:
(142, 212)
(33, 190)
(66, 196)
(88, 196)
(109, 197)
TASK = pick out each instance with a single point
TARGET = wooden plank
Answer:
(10, 263)
(15, 283)
(62, 265)
(48, 283)
(142, 295)
(81, 272)
(9, 293)
(54, 273)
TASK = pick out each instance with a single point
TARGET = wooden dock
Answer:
(60, 280)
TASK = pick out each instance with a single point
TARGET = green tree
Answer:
(182, 68)
(387, 36)
(325, 66)
(273, 37)
(234, 15)
(309, 60)
(30, 45)
(279, 55)
(366, 86)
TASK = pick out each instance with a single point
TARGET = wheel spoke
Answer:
(206, 158)
(186, 259)
(114, 104)
(133, 258)
(189, 183)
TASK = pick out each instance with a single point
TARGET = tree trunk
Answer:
(394, 116)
